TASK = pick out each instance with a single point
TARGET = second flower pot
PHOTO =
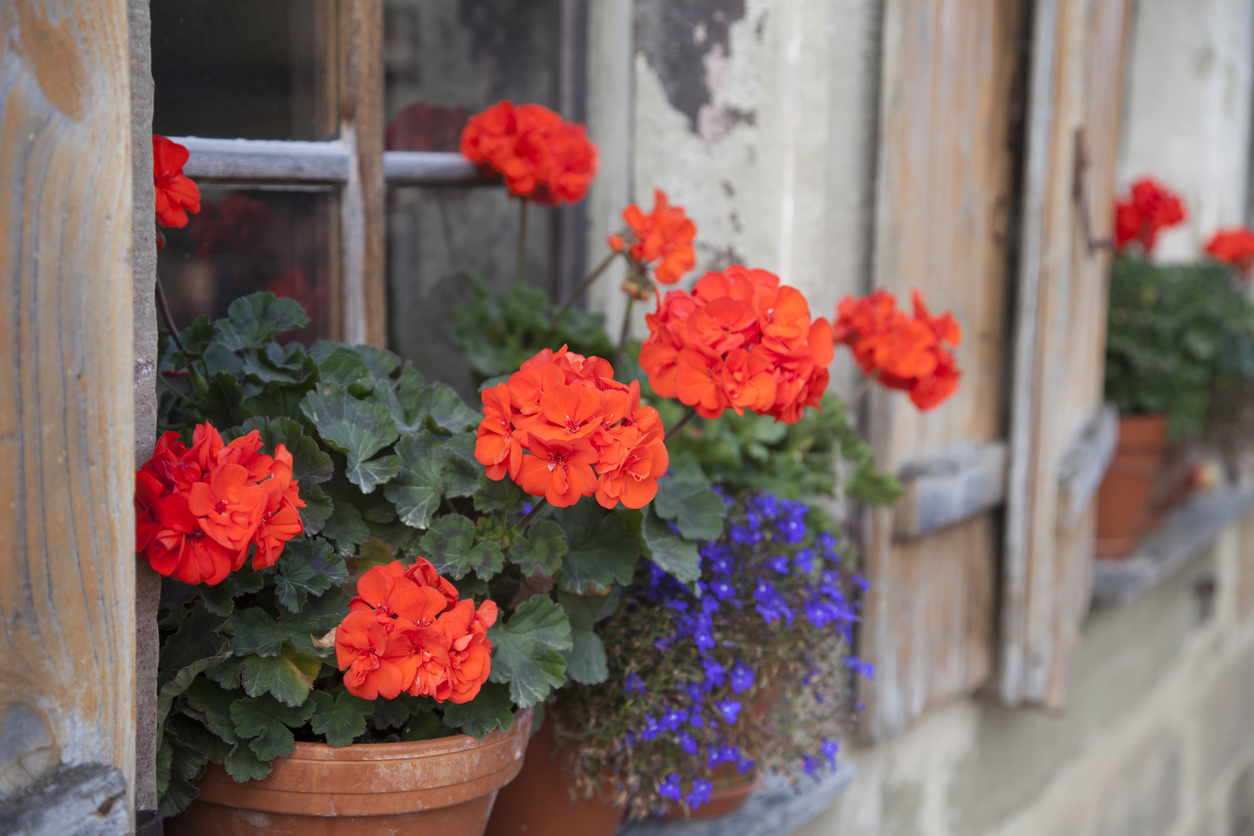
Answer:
(442, 787)
(1124, 498)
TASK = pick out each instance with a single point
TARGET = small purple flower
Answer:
(700, 793)
(696, 720)
(830, 749)
(676, 605)
(779, 564)
(633, 684)
(744, 764)
(722, 590)
(651, 729)
(859, 666)
(722, 754)
(672, 719)
(740, 677)
(809, 764)
(694, 692)
(804, 561)
(687, 742)
(669, 788)
(715, 676)
(729, 709)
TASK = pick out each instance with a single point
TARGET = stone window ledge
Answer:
(1191, 527)
(776, 808)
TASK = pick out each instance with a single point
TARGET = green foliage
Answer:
(385, 463)
(500, 331)
(1175, 333)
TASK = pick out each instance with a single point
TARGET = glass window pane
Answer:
(245, 240)
(445, 60)
(243, 68)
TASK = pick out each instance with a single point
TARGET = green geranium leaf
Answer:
(357, 428)
(221, 404)
(698, 511)
(460, 478)
(270, 722)
(402, 401)
(197, 336)
(306, 567)
(527, 650)
(448, 545)
(254, 320)
(318, 509)
(193, 733)
(493, 496)
(585, 661)
(390, 714)
(540, 549)
(445, 409)
(276, 675)
(256, 631)
(343, 367)
(192, 649)
(346, 527)
(492, 709)
(319, 615)
(227, 673)
(600, 549)
(244, 765)
(672, 552)
(341, 719)
(417, 489)
(278, 363)
(211, 705)
(381, 363)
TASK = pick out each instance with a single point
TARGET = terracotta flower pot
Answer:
(1124, 497)
(724, 799)
(538, 802)
(441, 787)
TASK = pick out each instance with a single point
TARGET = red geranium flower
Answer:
(176, 193)
(540, 156)
(407, 631)
(665, 235)
(740, 340)
(200, 510)
(904, 353)
(1233, 246)
(1149, 208)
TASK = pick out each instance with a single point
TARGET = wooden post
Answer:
(67, 694)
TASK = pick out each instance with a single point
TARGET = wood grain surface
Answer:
(943, 204)
(1059, 349)
(66, 422)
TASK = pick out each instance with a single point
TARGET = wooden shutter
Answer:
(66, 422)
(1060, 436)
(943, 201)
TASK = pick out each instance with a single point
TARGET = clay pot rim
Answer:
(400, 750)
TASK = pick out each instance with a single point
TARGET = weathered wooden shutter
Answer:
(1060, 437)
(67, 706)
(944, 185)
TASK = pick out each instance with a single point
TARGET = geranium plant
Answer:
(341, 566)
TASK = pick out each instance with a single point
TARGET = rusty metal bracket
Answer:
(1079, 196)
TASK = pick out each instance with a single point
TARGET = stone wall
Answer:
(1157, 736)
(1190, 84)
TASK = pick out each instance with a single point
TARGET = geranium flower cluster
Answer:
(912, 354)
(1233, 246)
(665, 236)
(740, 340)
(176, 193)
(541, 156)
(200, 510)
(406, 631)
(703, 697)
(561, 427)
(1148, 209)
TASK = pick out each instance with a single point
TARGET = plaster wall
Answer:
(1188, 93)
(1157, 736)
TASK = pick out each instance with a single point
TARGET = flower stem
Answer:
(522, 242)
(165, 314)
(583, 288)
(540, 505)
(681, 423)
(862, 389)
(622, 332)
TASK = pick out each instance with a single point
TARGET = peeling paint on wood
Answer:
(1084, 465)
(950, 488)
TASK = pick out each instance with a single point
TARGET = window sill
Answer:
(775, 808)
(1188, 528)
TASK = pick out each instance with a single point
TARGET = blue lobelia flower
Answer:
(729, 709)
(741, 677)
(633, 684)
(669, 788)
(700, 793)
